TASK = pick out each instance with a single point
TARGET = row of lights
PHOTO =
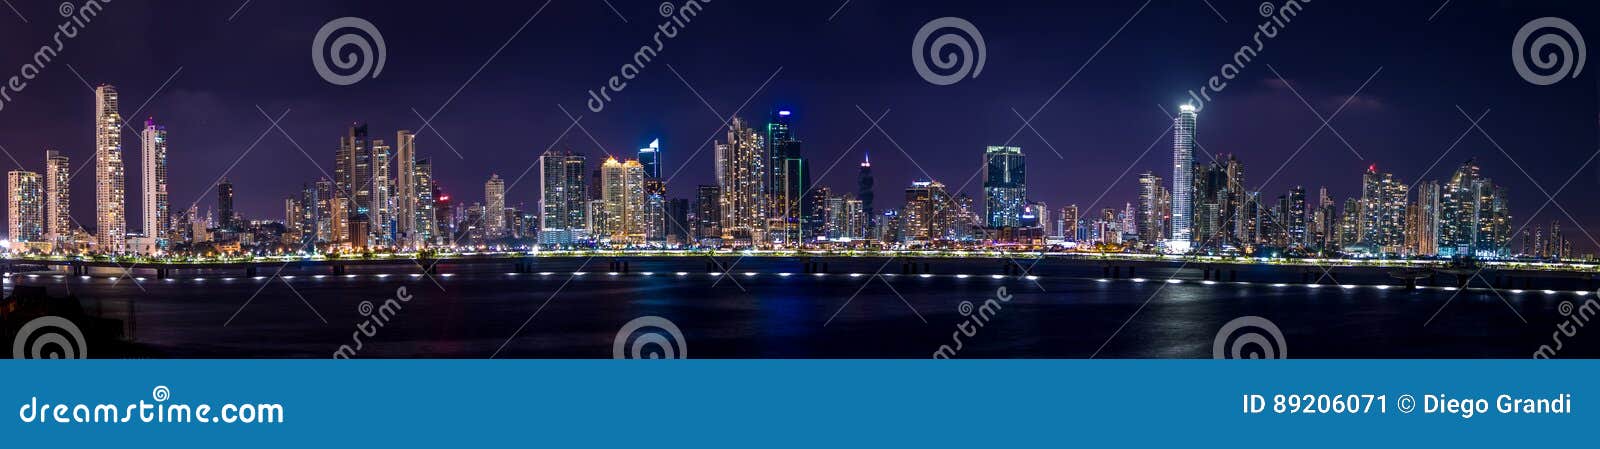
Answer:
(853, 275)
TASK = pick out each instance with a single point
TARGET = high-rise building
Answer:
(25, 207)
(742, 170)
(1005, 190)
(494, 193)
(1069, 222)
(1150, 219)
(353, 173)
(382, 214)
(1426, 223)
(1296, 220)
(425, 229)
(225, 205)
(1474, 217)
(792, 209)
(679, 228)
(864, 188)
(57, 198)
(928, 212)
(1183, 131)
(708, 212)
(157, 206)
(406, 198)
(624, 197)
(563, 198)
(111, 226)
(650, 157)
(1383, 211)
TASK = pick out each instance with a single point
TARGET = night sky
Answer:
(1100, 123)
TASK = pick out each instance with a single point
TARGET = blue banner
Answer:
(824, 403)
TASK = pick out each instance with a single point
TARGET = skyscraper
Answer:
(650, 157)
(225, 205)
(111, 226)
(708, 212)
(864, 188)
(1296, 221)
(425, 230)
(791, 210)
(406, 198)
(494, 216)
(1004, 186)
(624, 197)
(1069, 221)
(1383, 207)
(1427, 223)
(927, 212)
(57, 198)
(742, 178)
(25, 207)
(383, 201)
(562, 198)
(353, 173)
(1150, 219)
(1183, 130)
(157, 208)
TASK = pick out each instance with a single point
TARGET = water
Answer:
(1065, 313)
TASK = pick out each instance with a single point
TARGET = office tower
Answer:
(1428, 214)
(353, 173)
(624, 201)
(1556, 246)
(742, 172)
(864, 187)
(791, 211)
(339, 217)
(306, 222)
(563, 198)
(835, 217)
(1004, 186)
(679, 229)
(1069, 221)
(57, 198)
(1296, 220)
(293, 212)
(1183, 130)
(382, 214)
(1383, 205)
(927, 212)
(855, 226)
(325, 199)
(653, 221)
(650, 157)
(25, 207)
(156, 204)
(444, 218)
(225, 205)
(708, 212)
(494, 193)
(1148, 219)
(424, 229)
(406, 198)
(1474, 217)
(1234, 221)
(110, 191)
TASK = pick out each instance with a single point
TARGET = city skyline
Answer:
(830, 126)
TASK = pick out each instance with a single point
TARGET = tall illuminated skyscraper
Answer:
(57, 198)
(157, 207)
(494, 216)
(382, 215)
(563, 198)
(1150, 220)
(623, 194)
(1383, 212)
(405, 189)
(742, 176)
(353, 172)
(864, 184)
(424, 228)
(111, 225)
(1183, 129)
(1005, 188)
(25, 207)
(650, 157)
